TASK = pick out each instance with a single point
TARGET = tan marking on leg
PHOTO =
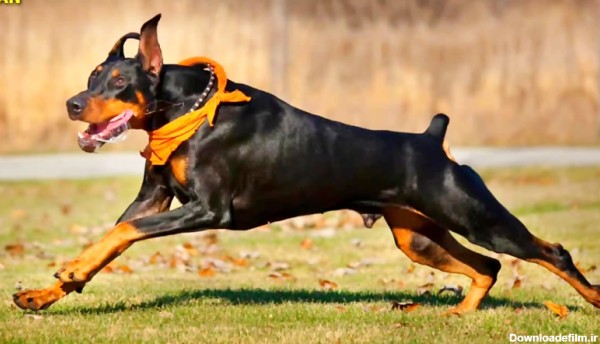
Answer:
(98, 255)
(443, 252)
(179, 166)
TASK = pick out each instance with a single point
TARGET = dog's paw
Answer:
(75, 271)
(36, 300)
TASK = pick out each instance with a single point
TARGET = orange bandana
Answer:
(166, 139)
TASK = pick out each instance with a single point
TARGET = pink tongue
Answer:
(115, 122)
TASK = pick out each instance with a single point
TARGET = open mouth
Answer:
(96, 135)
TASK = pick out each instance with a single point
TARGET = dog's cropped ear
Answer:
(149, 52)
(117, 52)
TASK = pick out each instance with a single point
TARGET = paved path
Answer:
(83, 165)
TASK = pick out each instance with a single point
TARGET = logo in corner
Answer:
(10, 2)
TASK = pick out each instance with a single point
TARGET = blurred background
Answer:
(508, 72)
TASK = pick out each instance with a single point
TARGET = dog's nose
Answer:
(75, 107)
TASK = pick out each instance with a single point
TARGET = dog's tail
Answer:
(437, 127)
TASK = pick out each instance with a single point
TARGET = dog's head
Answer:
(119, 90)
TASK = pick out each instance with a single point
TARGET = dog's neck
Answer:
(177, 92)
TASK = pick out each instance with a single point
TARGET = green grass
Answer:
(157, 303)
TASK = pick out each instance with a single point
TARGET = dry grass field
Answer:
(508, 72)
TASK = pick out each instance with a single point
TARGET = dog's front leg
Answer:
(193, 216)
(154, 197)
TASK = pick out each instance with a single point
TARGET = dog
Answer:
(259, 160)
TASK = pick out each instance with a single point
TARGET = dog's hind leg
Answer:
(466, 206)
(427, 243)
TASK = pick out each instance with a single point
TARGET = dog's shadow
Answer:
(257, 296)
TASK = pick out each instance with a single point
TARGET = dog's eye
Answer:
(120, 81)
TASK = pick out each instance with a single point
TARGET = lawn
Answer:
(318, 279)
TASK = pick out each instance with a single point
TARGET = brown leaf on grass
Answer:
(210, 239)
(156, 258)
(425, 289)
(519, 310)
(278, 266)
(344, 271)
(411, 268)
(560, 310)
(456, 289)
(18, 214)
(239, 262)
(77, 229)
(341, 308)
(516, 283)
(207, 272)
(405, 306)
(328, 285)
(392, 282)
(515, 265)
(15, 250)
(124, 269)
(190, 249)
(110, 268)
(307, 244)
(282, 276)
(65, 209)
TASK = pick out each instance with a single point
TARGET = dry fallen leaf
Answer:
(411, 268)
(515, 265)
(392, 282)
(239, 262)
(210, 239)
(560, 310)
(65, 209)
(110, 268)
(18, 214)
(344, 272)
(456, 289)
(306, 244)
(282, 276)
(328, 285)
(405, 306)
(125, 269)
(77, 229)
(425, 289)
(517, 282)
(156, 258)
(190, 249)
(15, 250)
(207, 272)
(278, 266)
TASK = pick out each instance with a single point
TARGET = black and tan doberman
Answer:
(264, 160)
